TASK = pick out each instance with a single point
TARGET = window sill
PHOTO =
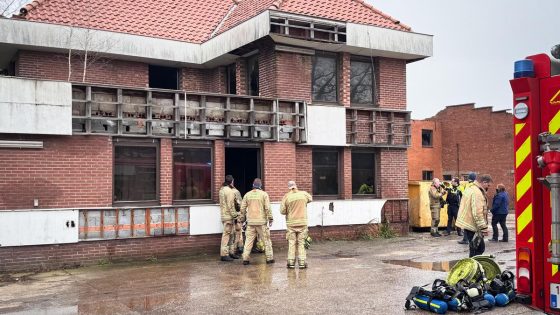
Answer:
(322, 103)
(326, 197)
(121, 204)
(193, 202)
(367, 196)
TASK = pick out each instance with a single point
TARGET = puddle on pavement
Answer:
(427, 265)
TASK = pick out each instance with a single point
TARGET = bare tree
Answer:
(9, 7)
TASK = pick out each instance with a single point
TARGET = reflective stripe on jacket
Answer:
(473, 209)
(294, 207)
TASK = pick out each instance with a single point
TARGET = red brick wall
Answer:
(293, 76)
(68, 172)
(392, 83)
(166, 172)
(204, 80)
(50, 66)
(219, 167)
(279, 161)
(267, 71)
(346, 185)
(241, 76)
(394, 173)
(344, 79)
(47, 257)
(304, 159)
(485, 141)
(425, 159)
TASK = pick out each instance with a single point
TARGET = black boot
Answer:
(226, 258)
(234, 256)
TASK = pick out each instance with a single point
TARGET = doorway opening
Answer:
(244, 164)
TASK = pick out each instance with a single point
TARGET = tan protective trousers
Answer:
(435, 210)
(227, 247)
(296, 239)
(250, 236)
(238, 241)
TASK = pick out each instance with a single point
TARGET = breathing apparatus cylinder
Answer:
(428, 304)
(503, 299)
(453, 304)
(490, 298)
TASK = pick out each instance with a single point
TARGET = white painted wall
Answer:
(206, 219)
(37, 227)
(35, 106)
(326, 125)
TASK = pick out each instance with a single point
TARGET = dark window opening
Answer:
(363, 173)
(427, 138)
(135, 173)
(231, 79)
(427, 175)
(244, 164)
(192, 173)
(325, 81)
(325, 172)
(361, 82)
(163, 77)
(447, 177)
(253, 75)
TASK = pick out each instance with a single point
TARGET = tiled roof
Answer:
(192, 20)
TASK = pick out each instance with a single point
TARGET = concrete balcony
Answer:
(35, 106)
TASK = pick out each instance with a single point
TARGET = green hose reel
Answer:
(475, 269)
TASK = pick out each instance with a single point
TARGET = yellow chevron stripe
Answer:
(554, 270)
(554, 123)
(523, 152)
(524, 218)
(518, 128)
(523, 185)
(531, 240)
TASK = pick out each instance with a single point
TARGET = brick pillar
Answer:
(392, 83)
(279, 160)
(344, 86)
(346, 185)
(219, 166)
(166, 172)
(241, 76)
(304, 168)
(393, 177)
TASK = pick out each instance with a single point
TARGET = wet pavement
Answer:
(345, 277)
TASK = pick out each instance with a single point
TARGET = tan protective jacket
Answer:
(227, 204)
(435, 194)
(473, 208)
(255, 208)
(294, 206)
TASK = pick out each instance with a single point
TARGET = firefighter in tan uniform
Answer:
(294, 207)
(228, 214)
(435, 194)
(238, 226)
(255, 209)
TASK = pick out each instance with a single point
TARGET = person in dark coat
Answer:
(499, 213)
(453, 201)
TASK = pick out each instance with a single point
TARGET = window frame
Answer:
(374, 88)
(339, 169)
(191, 145)
(142, 143)
(427, 172)
(375, 173)
(431, 145)
(337, 80)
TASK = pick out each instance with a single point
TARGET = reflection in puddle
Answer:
(428, 265)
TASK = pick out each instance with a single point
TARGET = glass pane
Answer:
(231, 80)
(426, 138)
(135, 173)
(253, 75)
(192, 173)
(361, 82)
(363, 173)
(324, 79)
(325, 173)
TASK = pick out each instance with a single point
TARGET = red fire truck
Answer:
(536, 109)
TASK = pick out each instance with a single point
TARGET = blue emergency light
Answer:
(523, 69)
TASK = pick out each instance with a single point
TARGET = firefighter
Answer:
(294, 207)
(228, 215)
(435, 193)
(238, 226)
(255, 209)
(470, 181)
(471, 217)
(453, 200)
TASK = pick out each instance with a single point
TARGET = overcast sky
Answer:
(475, 45)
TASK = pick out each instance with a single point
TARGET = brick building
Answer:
(128, 115)
(461, 139)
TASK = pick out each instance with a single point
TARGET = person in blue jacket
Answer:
(499, 213)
